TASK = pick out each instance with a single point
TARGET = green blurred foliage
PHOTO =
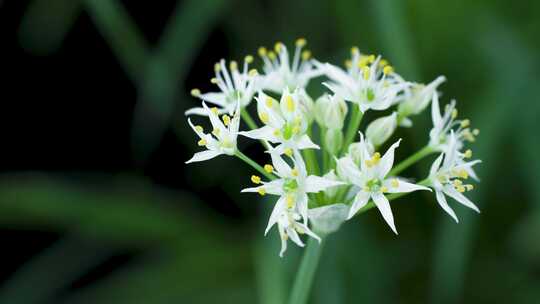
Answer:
(487, 49)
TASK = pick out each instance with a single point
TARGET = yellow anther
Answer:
(465, 123)
(253, 72)
(468, 153)
(348, 63)
(300, 42)
(468, 135)
(255, 179)
(454, 113)
(355, 51)
(271, 55)
(394, 183)
(376, 157)
(460, 189)
(475, 132)
(289, 103)
(269, 101)
(263, 116)
(469, 187)
(214, 80)
(388, 70)
(199, 129)
(383, 63)
(233, 65)
(226, 119)
(457, 183)
(296, 129)
(294, 172)
(195, 92)
(262, 51)
(214, 110)
(365, 72)
(290, 201)
(363, 62)
(288, 152)
(300, 230)
(215, 132)
(277, 133)
(384, 189)
(248, 59)
(462, 173)
(261, 191)
(202, 142)
(268, 168)
(306, 54)
(366, 189)
(278, 46)
(217, 67)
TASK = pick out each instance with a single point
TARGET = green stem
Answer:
(306, 272)
(325, 154)
(253, 164)
(311, 159)
(354, 124)
(427, 150)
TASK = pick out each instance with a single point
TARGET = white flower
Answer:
(369, 82)
(222, 139)
(280, 73)
(446, 123)
(418, 96)
(330, 111)
(380, 130)
(235, 86)
(285, 123)
(289, 227)
(292, 186)
(372, 181)
(446, 177)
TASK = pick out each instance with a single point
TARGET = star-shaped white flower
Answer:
(372, 181)
(289, 227)
(445, 123)
(280, 73)
(285, 123)
(222, 139)
(416, 98)
(446, 177)
(292, 186)
(369, 82)
(234, 86)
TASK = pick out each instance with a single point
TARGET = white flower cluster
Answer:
(321, 176)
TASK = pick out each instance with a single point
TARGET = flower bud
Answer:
(307, 105)
(333, 139)
(328, 219)
(419, 97)
(330, 111)
(379, 130)
(355, 151)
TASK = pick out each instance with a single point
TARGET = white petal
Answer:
(360, 200)
(293, 235)
(435, 166)
(265, 133)
(386, 162)
(309, 232)
(280, 165)
(305, 143)
(442, 202)
(283, 242)
(383, 205)
(204, 155)
(302, 206)
(274, 187)
(219, 99)
(196, 111)
(453, 193)
(403, 186)
(435, 111)
(315, 184)
(278, 210)
(348, 170)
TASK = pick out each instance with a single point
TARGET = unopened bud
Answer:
(419, 97)
(333, 139)
(330, 111)
(379, 130)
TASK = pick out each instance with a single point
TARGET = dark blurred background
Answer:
(97, 205)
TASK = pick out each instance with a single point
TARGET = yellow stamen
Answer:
(300, 42)
(460, 189)
(348, 63)
(271, 55)
(278, 46)
(216, 132)
(469, 187)
(268, 168)
(383, 63)
(371, 58)
(269, 101)
(248, 59)
(457, 183)
(394, 183)
(384, 189)
(289, 102)
(261, 191)
(214, 80)
(233, 65)
(263, 116)
(199, 129)
(365, 72)
(388, 70)
(253, 72)
(355, 51)
(290, 201)
(217, 67)
(296, 129)
(195, 92)
(277, 133)
(306, 54)
(262, 51)
(468, 153)
(454, 113)
(202, 142)
(255, 179)
(475, 132)
(294, 172)
(288, 152)
(214, 110)
(226, 119)
(465, 123)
